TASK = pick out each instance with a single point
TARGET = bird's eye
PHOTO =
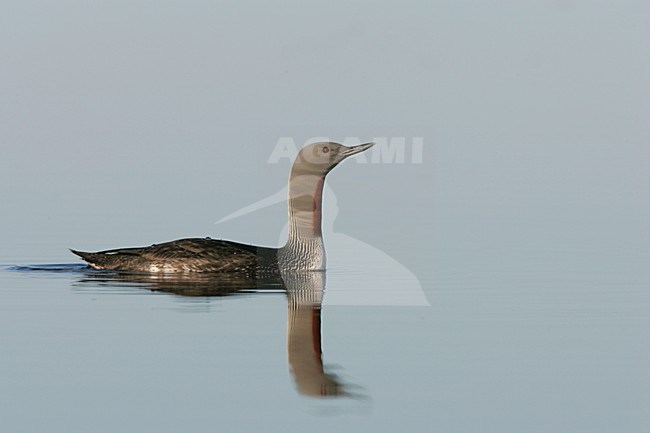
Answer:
(326, 149)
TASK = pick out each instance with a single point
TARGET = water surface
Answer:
(86, 350)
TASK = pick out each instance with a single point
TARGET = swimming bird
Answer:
(304, 249)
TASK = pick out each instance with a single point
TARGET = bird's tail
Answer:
(93, 259)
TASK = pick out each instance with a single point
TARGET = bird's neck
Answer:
(305, 205)
(305, 241)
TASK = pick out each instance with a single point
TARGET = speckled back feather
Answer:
(186, 255)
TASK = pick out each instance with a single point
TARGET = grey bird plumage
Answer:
(304, 249)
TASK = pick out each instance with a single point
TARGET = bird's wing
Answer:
(199, 254)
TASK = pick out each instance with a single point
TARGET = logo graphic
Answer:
(357, 272)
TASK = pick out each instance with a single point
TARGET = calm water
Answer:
(499, 349)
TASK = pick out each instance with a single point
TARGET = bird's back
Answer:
(186, 255)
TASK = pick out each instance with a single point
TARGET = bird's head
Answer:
(319, 158)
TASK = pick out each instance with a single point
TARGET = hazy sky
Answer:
(127, 123)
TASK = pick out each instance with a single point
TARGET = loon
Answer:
(304, 250)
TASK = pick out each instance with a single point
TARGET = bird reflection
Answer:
(304, 351)
(304, 290)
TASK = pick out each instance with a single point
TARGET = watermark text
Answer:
(387, 150)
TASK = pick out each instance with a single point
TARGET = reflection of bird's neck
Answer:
(305, 248)
(305, 294)
(304, 349)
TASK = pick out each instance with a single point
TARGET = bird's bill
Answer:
(356, 149)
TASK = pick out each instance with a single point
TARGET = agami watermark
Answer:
(387, 150)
